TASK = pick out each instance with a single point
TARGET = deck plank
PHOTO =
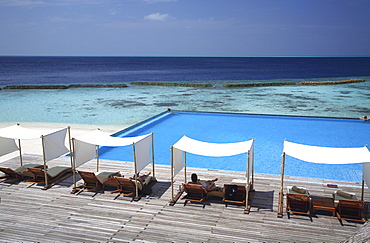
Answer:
(28, 213)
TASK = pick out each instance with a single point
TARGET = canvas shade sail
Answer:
(8, 145)
(186, 144)
(53, 140)
(212, 149)
(324, 155)
(54, 144)
(85, 146)
(327, 155)
(18, 132)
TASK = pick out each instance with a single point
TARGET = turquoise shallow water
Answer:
(125, 106)
(269, 133)
(122, 107)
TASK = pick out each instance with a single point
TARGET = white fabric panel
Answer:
(83, 152)
(178, 164)
(18, 132)
(8, 145)
(97, 137)
(251, 159)
(212, 149)
(327, 155)
(54, 144)
(142, 152)
(366, 173)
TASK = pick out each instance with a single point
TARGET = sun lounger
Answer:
(194, 193)
(350, 210)
(298, 204)
(127, 186)
(19, 173)
(54, 174)
(94, 182)
(297, 190)
(234, 194)
(338, 195)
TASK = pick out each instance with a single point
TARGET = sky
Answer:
(185, 27)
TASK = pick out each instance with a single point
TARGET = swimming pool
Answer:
(269, 132)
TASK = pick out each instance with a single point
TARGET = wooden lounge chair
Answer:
(350, 210)
(194, 193)
(338, 195)
(19, 173)
(298, 204)
(94, 182)
(234, 194)
(297, 190)
(127, 186)
(54, 175)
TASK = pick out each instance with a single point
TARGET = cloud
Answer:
(32, 3)
(21, 2)
(112, 11)
(157, 17)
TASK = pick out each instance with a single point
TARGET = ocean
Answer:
(126, 106)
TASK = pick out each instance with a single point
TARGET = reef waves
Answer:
(195, 85)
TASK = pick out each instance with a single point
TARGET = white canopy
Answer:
(18, 132)
(186, 144)
(327, 155)
(324, 155)
(8, 145)
(212, 149)
(97, 137)
(53, 140)
(85, 147)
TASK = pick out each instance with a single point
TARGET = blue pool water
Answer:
(269, 132)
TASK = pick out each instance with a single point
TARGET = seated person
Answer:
(208, 185)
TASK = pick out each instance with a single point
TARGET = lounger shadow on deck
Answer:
(159, 188)
(54, 175)
(263, 200)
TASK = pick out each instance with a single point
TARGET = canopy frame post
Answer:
(184, 153)
(173, 194)
(252, 162)
(363, 182)
(97, 157)
(153, 155)
(20, 152)
(247, 185)
(136, 198)
(70, 145)
(45, 167)
(73, 166)
(281, 192)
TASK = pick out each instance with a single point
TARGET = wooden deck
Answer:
(30, 214)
